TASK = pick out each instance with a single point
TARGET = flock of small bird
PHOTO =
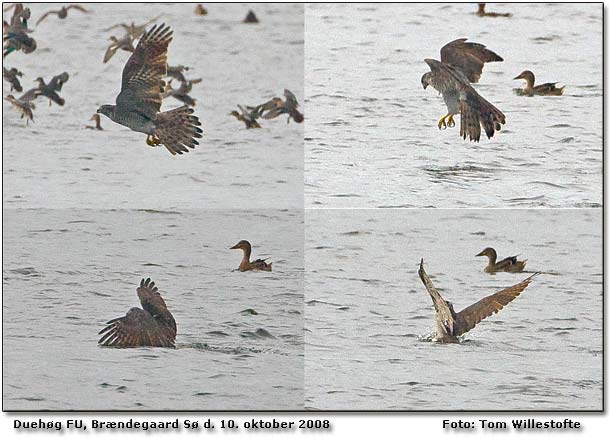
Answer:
(269, 110)
(15, 37)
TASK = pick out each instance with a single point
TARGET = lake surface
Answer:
(56, 162)
(67, 272)
(367, 312)
(375, 141)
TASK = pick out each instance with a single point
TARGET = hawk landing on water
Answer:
(151, 325)
(139, 102)
(461, 64)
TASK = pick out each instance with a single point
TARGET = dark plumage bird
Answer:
(450, 325)
(15, 34)
(98, 125)
(12, 76)
(50, 90)
(181, 93)
(125, 43)
(152, 325)
(248, 116)
(246, 264)
(546, 89)
(177, 72)
(481, 12)
(276, 107)
(24, 108)
(251, 17)
(509, 264)
(139, 102)
(62, 13)
(462, 63)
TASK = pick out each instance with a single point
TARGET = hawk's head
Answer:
(425, 79)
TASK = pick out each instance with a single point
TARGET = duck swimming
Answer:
(509, 264)
(151, 325)
(482, 13)
(546, 89)
(450, 325)
(246, 264)
(95, 117)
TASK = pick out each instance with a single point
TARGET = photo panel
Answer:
(372, 340)
(56, 162)
(375, 140)
(239, 342)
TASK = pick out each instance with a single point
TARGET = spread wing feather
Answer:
(153, 325)
(142, 83)
(469, 57)
(469, 317)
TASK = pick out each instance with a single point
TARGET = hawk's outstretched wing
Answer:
(469, 317)
(152, 326)
(143, 74)
(468, 57)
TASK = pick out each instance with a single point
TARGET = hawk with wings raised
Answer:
(151, 325)
(450, 325)
(461, 64)
(139, 102)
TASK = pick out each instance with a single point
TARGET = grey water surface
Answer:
(240, 334)
(368, 317)
(55, 162)
(375, 141)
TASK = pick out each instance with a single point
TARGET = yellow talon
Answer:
(441, 123)
(152, 141)
(450, 121)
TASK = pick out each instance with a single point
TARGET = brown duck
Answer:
(482, 13)
(246, 264)
(509, 264)
(546, 89)
(450, 325)
(96, 118)
(23, 107)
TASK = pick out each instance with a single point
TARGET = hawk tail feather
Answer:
(491, 118)
(177, 130)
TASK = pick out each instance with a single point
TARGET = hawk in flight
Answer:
(139, 102)
(461, 64)
(151, 325)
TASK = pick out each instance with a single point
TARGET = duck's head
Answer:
(243, 245)
(527, 75)
(488, 252)
(234, 114)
